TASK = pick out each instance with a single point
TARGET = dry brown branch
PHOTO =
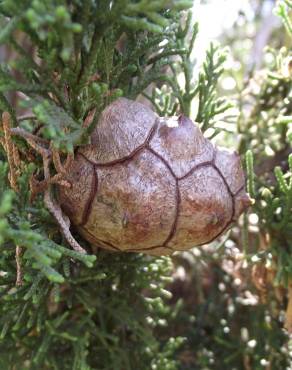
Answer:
(62, 220)
(19, 278)
(59, 166)
(10, 149)
(18, 131)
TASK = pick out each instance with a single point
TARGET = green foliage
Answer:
(57, 123)
(70, 59)
(250, 173)
(95, 320)
(209, 105)
(174, 96)
(282, 10)
(223, 320)
(153, 21)
(88, 54)
(270, 143)
(72, 310)
(40, 252)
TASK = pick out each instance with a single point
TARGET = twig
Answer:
(10, 150)
(62, 169)
(18, 131)
(62, 220)
(19, 277)
(26, 117)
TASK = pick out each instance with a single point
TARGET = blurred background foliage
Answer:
(228, 304)
(241, 311)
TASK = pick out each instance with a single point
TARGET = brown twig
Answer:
(16, 157)
(18, 131)
(19, 277)
(62, 220)
(10, 150)
(26, 117)
(62, 169)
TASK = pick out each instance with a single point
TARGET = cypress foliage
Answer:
(63, 62)
(62, 309)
